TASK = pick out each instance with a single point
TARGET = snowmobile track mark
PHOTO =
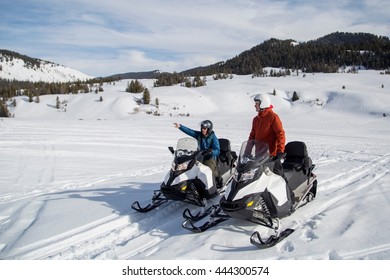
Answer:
(354, 181)
(71, 240)
(345, 179)
(365, 252)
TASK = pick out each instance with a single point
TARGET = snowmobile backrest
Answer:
(226, 155)
(296, 156)
(224, 144)
(296, 149)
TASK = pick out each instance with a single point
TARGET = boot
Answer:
(219, 182)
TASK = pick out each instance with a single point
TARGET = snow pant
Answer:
(212, 163)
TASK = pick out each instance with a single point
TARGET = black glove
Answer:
(279, 156)
(207, 152)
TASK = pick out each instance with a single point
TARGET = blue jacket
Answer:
(204, 143)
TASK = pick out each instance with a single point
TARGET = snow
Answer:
(68, 177)
(17, 69)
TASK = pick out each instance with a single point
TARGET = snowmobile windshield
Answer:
(253, 151)
(186, 148)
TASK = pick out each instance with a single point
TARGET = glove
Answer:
(207, 152)
(279, 156)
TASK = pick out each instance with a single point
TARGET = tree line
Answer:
(326, 54)
(9, 89)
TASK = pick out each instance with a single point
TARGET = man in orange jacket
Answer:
(266, 126)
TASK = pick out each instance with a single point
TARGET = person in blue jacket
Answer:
(207, 143)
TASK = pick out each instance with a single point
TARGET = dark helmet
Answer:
(207, 124)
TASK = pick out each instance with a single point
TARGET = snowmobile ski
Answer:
(205, 211)
(200, 215)
(156, 202)
(271, 241)
(214, 219)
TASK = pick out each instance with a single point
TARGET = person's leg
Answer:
(212, 163)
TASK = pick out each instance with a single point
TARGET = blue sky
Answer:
(101, 38)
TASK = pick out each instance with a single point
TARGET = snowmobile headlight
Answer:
(180, 166)
(248, 175)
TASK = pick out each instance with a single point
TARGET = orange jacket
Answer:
(267, 127)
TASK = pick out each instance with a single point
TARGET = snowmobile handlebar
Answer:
(279, 156)
(207, 152)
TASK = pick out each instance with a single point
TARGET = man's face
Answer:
(257, 106)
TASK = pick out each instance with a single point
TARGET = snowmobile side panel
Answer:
(295, 179)
(188, 175)
(277, 209)
(274, 183)
(205, 175)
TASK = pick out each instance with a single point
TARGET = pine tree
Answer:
(295, 96)
(58, 104)
(146, 96)
(4, 113)
(135, 87)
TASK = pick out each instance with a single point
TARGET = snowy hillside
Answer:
(69, 175)
(20, 70)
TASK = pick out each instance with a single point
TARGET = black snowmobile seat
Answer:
(297, 157)
(226, 155)
(224, 144)
(225, 160)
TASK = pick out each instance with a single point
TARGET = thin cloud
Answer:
(172, 35)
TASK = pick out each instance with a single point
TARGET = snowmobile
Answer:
(265, 189)
(189, 180)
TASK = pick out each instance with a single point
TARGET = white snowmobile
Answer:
(189, 180)
(263, 194)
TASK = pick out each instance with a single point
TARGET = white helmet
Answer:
(264, 99)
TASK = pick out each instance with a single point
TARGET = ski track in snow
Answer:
(100, 233)
(128, 237)
(344, 184)
(141, 234)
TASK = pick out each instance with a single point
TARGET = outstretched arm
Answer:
(187, 130)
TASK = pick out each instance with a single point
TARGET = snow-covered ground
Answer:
(68, 176)
(17, 69)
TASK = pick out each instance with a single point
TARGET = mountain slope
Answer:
(14, 66)
(326, 54)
